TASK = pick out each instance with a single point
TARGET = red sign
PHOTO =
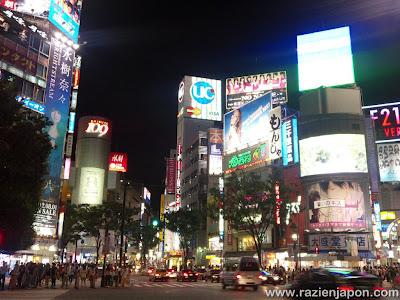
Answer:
(118, 162)
(171, 175)
(8, 3)
(76, 78)
(278, 204)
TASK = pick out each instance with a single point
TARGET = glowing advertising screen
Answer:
(71, 123)
(386, 118)
(335, 153)
(254, 123)
(45, 223)
(32, 105)
(325, 59)
(252, 157)
(146, 196)
(377, 213)
(243, 89)
(37, 8)
(389, 162)
(215, 152)
(91, 186)
(200, 98)
(118, 162)
(336, 204)
(66, 15)
(58, 92)
(290, 141)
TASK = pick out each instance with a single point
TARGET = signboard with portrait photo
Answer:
(336, 204)
(243, 89)
(66, 15)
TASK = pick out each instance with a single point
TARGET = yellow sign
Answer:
(388, 215)
(210, 256)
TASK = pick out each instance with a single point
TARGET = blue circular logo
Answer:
(202, 92)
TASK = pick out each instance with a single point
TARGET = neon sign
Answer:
(98, 127)
(247, 159)
(178, 175)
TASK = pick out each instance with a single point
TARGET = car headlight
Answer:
(263, 278)
(276, 278)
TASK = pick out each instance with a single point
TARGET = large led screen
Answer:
(243, 89)
(325, 59)
(336, 204)
(200, 98)
(66, 16)
(389, 162)
(252, 124)
(335, 153)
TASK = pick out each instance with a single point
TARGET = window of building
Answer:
(203, 142)
(45, 49)
(39, 94)
(27, 89)
(34, 43)
(41, 71)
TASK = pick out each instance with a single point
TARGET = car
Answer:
(241, 272)
(338, 279)
(150, 270)
(202, 274)
(187, 275)
(172, 273)
(158, 274)
(214, 275)
(270, 278)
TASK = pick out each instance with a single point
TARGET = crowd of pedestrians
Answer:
(33, 275)
(388, 273)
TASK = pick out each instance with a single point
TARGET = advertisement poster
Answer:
(335, 153)
(243, 89)
(146, 196)
(215, 151)
(91, 186)
(336, 204)
(58, 92)
(37, 8)
(66, 15)
(200, 98)
(247, 125)
(389, 161)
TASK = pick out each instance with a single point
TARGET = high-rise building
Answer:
(38, 43)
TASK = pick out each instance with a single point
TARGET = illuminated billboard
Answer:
(215, 151)
(254, 123)
(389, 162)
(146, 196)
(290, 141)
(243, 89)
(91, 186)
(386, 118)
(336, 204)
(249, 158)
(66, 15)
(325, 59)
(118, 162)
(171, 176)
(335, 153)
(37, 8)
(200, 98)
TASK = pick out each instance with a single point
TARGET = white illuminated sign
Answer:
(91, 186)
(97, 127)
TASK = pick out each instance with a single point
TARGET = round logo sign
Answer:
(181, 92)
(202, 92)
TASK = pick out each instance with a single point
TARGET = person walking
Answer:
(14, 275)
(83, 275)
(91, 274)
(53, 275)
(3, 272)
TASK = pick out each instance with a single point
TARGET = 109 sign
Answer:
(97, 127)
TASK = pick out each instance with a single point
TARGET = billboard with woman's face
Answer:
(336, 204)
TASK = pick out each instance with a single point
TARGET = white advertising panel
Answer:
(389, 162)
(335, 153)
(91, 186)
(200, 98)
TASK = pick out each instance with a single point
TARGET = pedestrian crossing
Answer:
(32, 294)
(172, 285)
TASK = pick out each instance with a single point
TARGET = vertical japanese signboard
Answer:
(171, 175)
(58, 92)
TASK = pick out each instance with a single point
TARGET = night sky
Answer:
(137, 53)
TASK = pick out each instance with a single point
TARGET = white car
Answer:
(172, 273)
(241, 272)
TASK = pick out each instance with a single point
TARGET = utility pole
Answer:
(125, 182)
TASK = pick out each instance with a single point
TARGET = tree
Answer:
(251, 204)
(72, 227)
(186, 223)
(143, 236)
(24, 150)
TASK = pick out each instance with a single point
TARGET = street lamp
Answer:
(295, 238)
(107, 219)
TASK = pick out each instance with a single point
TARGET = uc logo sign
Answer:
(202, 92)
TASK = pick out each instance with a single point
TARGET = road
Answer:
(142, 289)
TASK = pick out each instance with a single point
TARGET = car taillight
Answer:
(238, 276)
(346, 288)
(197, 274)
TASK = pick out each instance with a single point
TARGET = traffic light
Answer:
(155, 223)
